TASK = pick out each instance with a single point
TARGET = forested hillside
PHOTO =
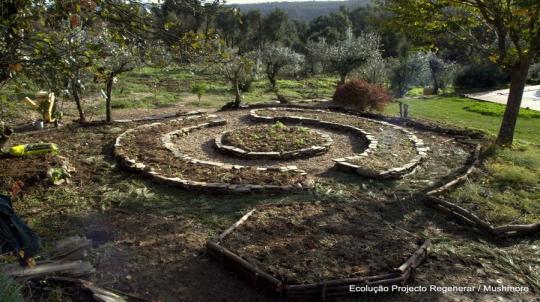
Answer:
(304, 10)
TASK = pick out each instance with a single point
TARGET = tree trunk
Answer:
(517, 85)
(271, 75)
(77, 99)
(342, 78)
(108, 106)
(238, 96)
(272, 83)
(436, 85)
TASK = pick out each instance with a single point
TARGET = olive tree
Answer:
(345, 56)
(375, 70)
(277, 59)
(71, 55)
(116, 57)
(316, 52)
(441, 72)
(237, 69)
(406, 72)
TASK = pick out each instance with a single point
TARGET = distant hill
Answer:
(303, 10)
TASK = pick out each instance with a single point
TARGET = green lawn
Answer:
(452, 110)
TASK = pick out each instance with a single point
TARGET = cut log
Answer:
(50, 268)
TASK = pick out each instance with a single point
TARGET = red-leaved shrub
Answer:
(362, 95)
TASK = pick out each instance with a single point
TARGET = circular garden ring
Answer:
(272, 134)
(266, 267)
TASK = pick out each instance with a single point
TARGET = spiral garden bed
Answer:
(245, 151)
(146, 149)
(317, 250)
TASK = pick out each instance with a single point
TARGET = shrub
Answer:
(480, 76)
(361, 95)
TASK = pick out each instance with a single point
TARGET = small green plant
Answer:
(199, 89)
(303, 130)
(279, 125)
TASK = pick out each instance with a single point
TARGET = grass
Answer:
(452, 111)
(506, 190)
(10, 291)
(493, 109)
(153, 88)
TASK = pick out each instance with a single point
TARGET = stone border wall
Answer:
(344, 163)
(320, 290)
(187, 184)
(299, 153)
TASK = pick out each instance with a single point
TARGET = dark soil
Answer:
(311, 242)
(157, 238)
(30, 170)
(272, 138)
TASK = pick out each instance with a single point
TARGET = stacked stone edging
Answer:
(400, 121)
(299, 153)
(344, 163)
(143, 169)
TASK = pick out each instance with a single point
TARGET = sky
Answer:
(262, 1)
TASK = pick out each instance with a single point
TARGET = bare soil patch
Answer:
(28, 169)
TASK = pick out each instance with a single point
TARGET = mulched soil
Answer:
(394, 148)
(311, 242)
(444, 158)
(145, 146)
(272, 138)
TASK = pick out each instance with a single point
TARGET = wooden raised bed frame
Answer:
(320, 290)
